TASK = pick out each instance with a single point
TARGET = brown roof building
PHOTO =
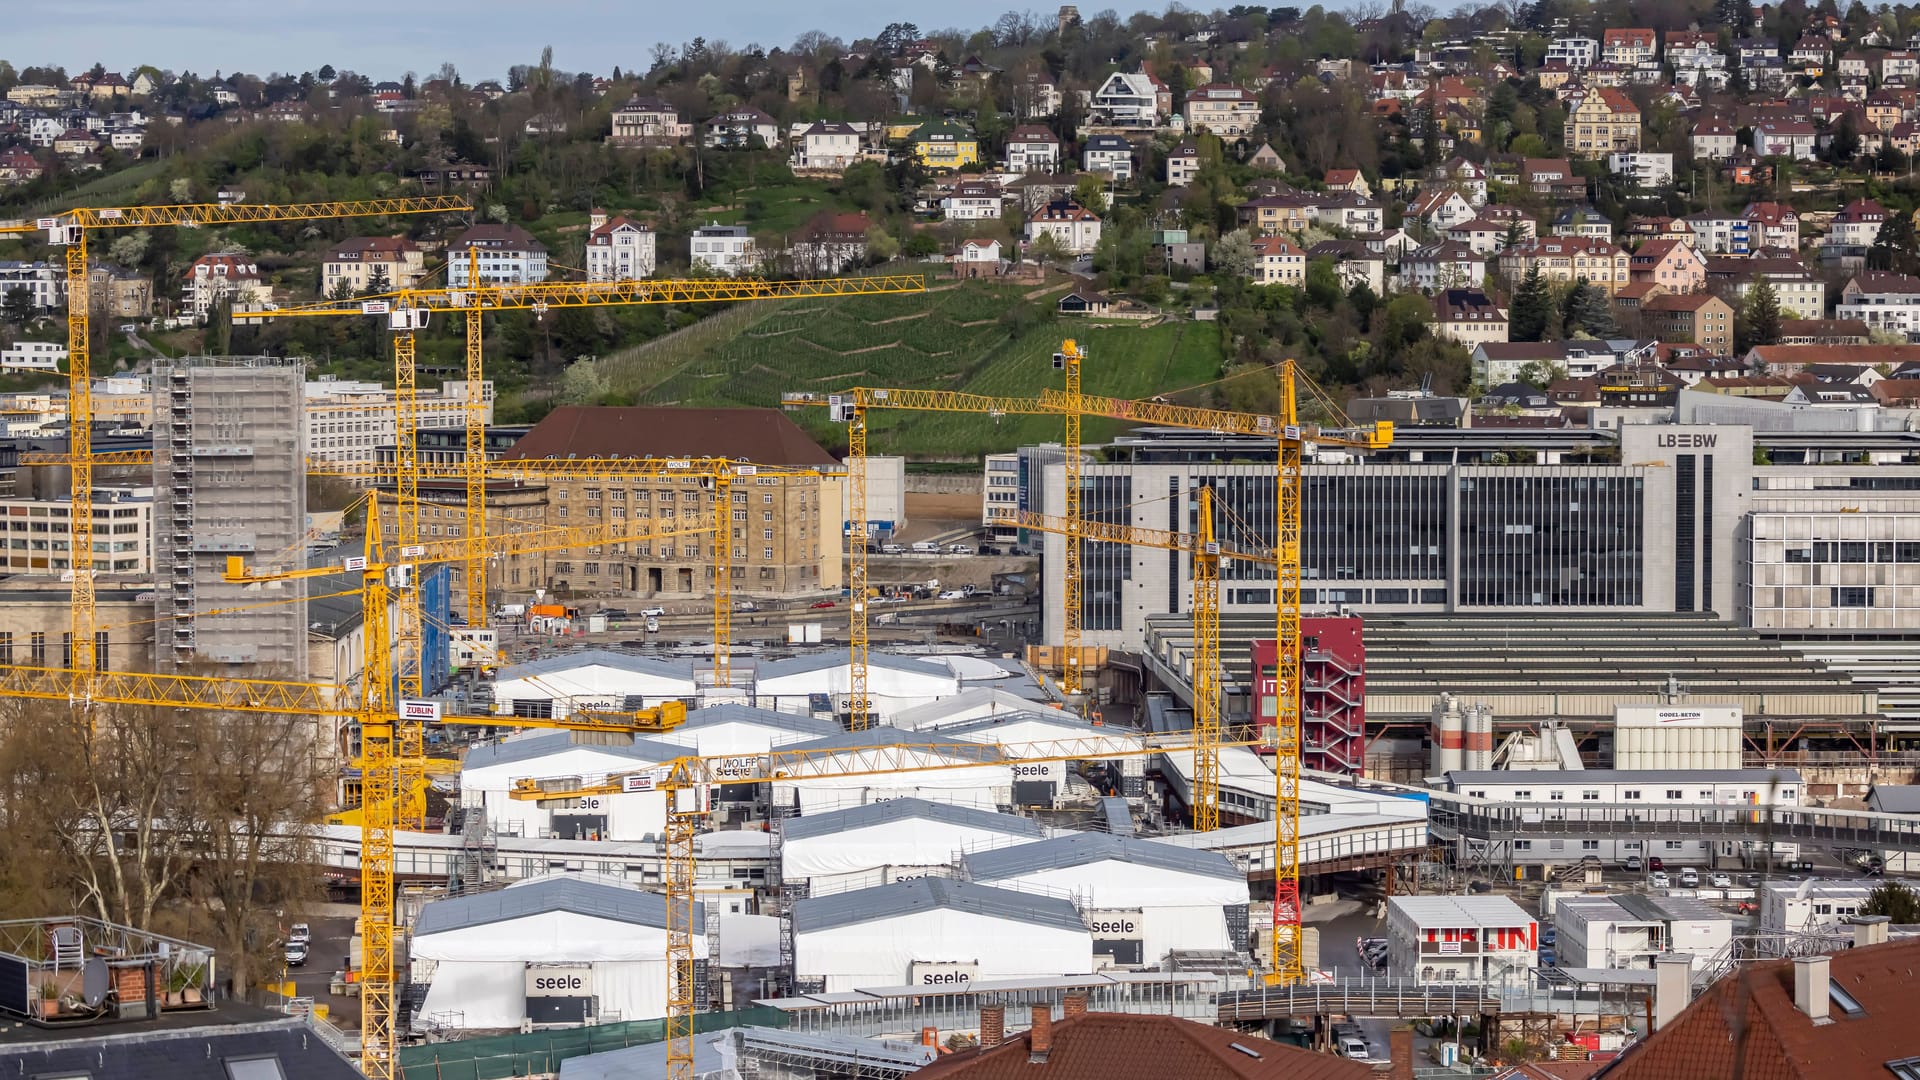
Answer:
(1846, 1016)
(785, 531)
(1116, 1046)
(1697, 318)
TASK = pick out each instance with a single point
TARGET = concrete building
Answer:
(1833, 571)
(43, 281)
(36, 621)
(228, 442)
(786, 531)
(1458, 938)
(349, 421)
(36, 532)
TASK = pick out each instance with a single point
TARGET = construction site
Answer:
(671, 742)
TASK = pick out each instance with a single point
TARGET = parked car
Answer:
(653, 612)
(615, 613)
(745, 605)
(959, 549)
(296, 954)
(1546, 958)
(1654, 863)
(926, 547)
(1633, 864)
(1689, 878)
(892, 549)
(1658, 879)
(818, 604)
(1721, 881)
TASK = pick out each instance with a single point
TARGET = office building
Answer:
(39, 542)
(228, 438)
(349, 420)
(1416, 534)
(1458, 938)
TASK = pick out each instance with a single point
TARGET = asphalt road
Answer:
(332, 935)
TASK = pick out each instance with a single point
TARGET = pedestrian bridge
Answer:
(1455, 817)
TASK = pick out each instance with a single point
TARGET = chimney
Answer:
(1400, 1054)
(1810, 987)
(1075, 1005)
(1040, 1038)
(1870, 930)
(1672, 987)
(993, 1026)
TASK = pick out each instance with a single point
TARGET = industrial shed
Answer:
(594, 679)
(878, 764)
(882, 842)
(973, 703)
(742, 729)
(935, 932)
(488, 773)
(820, 684)
(1142, 899)
(553, 950)
(1049, 733)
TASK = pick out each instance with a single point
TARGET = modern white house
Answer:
(826, 144)
(1108, 154)
(1032, 148)
(722, 249)
(1127, 100)
(935, 932)
(1885, 301)
(551, 951)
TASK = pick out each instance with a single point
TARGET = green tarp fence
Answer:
(541, 1052)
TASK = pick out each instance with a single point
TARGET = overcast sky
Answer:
(387, 38)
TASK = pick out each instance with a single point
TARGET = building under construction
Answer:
(227, 460)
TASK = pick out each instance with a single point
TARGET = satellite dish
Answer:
(94, 980)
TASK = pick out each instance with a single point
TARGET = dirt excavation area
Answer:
(930, 515)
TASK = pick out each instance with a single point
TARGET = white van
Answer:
(926, 547)
(892, 549)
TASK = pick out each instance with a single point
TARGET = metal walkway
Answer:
(1373, 998)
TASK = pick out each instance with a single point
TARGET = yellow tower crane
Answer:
(408, 311)
(684, 781)
(383, 573)
(70, 230)
(850, 406)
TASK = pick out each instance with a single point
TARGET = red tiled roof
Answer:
(765, 436)
(1113, 1046)
(1746, 1025)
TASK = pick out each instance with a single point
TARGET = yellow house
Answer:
(940, 145)
(902, 129)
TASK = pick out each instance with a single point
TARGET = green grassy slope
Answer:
(957, 337)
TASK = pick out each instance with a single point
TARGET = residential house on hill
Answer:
(945, 145)
(1227, 111)
(830, 243)
(1075, 228)
(1032, 148)
(1605, 121)
(1183, 163)
(723, 249)
(353, 264)
(508, 255)
(1888, 303)
(648, 122)
(1277, 261)
(1108, 154)
(1128, 100)
(972, 200)
(743, 129)
(1566, 259)
(1696, 318)
(1674, 265)
(234, 278)
(618, 249)
(1468, 316)
(826, 145)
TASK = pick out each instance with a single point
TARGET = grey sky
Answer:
(387, 38)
